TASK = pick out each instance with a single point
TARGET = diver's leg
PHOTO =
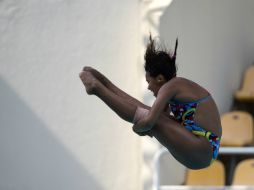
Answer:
(192, 151)
(122, 107)
(113, 88)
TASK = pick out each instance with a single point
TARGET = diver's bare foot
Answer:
(90, 82)
(100, 77)
(88, 68)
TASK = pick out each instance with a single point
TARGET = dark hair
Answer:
(160, 61)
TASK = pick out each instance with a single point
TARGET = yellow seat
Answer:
(246, 93)
(244, 173)
(214, 175)
(237, 128)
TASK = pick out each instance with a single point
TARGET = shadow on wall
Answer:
(31, 157)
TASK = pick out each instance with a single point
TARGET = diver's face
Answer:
(154, 84)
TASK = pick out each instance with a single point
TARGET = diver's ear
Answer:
(160, 79)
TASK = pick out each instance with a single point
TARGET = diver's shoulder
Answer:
(179, 80)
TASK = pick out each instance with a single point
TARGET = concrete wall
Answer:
(52, 135)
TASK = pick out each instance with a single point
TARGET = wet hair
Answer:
(160, 61)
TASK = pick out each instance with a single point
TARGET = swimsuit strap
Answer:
(192, 102)
(202, 99)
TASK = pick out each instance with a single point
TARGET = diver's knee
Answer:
(200, 160)
(139, 114)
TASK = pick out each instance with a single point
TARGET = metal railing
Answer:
(223, 151)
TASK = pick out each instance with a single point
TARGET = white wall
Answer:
(52, 135)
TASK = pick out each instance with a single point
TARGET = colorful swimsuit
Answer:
(184, 113)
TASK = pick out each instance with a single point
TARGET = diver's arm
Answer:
(165, 93)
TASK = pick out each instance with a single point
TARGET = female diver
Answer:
(184, 117)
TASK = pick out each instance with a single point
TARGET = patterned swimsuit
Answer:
(184, 114)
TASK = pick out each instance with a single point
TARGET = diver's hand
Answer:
(88, 68)
(97, 75)
(142, 125)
